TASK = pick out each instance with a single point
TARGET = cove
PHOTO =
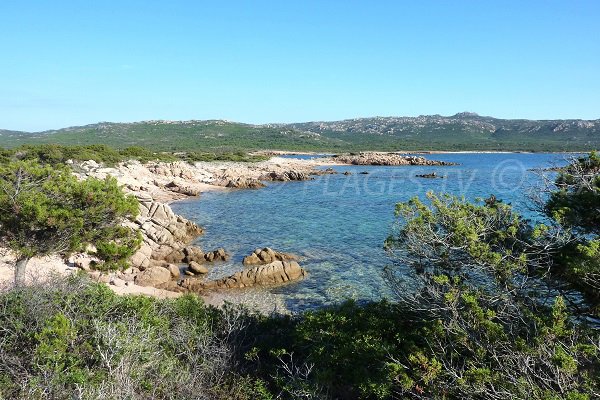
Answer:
(337, 223)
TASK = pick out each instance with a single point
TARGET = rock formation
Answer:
(239, 183)
(274, 273)
(162, 230)
(286, 176)
(153, 276)
(266, 256)
(387, 159)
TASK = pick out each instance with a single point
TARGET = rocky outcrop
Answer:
(274, 273)
(163, 231)
(216, 255)
(178, 186)
(240, 183)
(177, 169)
(197, 268)
(386, 159)
(266, 256)
(186, 255)
(154, 276)
(432, 175)
(286, 176)
(326, 171)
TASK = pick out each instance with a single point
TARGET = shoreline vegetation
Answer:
(475, 324)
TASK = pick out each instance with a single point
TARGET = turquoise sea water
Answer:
(338, 223)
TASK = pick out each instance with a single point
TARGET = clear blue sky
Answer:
(76, 62)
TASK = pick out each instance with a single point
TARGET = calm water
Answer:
(338, 223)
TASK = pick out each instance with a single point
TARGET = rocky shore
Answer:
(166, 263)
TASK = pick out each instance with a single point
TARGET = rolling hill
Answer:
(463, 131)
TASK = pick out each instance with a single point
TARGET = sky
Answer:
(65, 63)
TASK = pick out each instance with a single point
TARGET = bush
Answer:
(71, 336)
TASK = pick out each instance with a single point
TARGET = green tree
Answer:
(45, 209)
(574, 202)
(472, 273)
(575, 199)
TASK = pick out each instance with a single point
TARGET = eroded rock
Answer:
(274, 273)
(267, 255)
(154, 276)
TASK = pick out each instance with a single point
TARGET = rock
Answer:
(141, 258)
(118, 282)
(216, 255)
(252, 259)
(347, 173)
(363, 173)
(175, 257)
(197, 268)
(189, 273)
(391, 159)
(84, 261)
(182, 188)
(128, 277)
(240, 183)
(327, 171)
(432, 175)
(277, 272)
(267, 255)
(193, 253)
(153, 276)
(286, 176)
(174, 270)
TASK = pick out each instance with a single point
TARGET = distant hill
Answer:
(463, 131)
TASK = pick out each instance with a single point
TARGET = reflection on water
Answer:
(337, 223)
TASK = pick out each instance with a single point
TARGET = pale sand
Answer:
(41, 269)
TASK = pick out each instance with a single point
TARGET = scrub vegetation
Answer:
(487, 305)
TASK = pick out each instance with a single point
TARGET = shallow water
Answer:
(338, 223)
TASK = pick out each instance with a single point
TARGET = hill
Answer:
(463, 131)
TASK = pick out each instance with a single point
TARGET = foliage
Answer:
(75, 338)
(56, 154)
(574, 202)
(45, 209)
(472, 272)
(487, 237)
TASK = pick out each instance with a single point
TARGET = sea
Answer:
(337, 224)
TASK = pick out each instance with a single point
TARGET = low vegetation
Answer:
(55, 154)
(487, 305)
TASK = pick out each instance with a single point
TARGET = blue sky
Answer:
(76, 62)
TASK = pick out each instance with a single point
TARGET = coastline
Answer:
(163, 183)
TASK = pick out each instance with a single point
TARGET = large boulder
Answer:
(197, 268)
(239, 183)
(275, 273)
(141, 258)
(267, 255)
(193, 253)
(164, 233)
(216, 255)
(286, 176)
(178, 186)
(154, 276)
